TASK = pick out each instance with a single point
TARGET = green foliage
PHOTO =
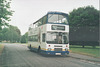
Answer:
(84, 16)
(24, 38)
(5, 12)
(11, 33)
(84, 26)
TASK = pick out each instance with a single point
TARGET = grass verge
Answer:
(1, 48)
(87, 50)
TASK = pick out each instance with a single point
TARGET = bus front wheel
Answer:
(39, 49)
(30, 47)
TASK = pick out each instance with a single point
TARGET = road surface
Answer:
(17, 55)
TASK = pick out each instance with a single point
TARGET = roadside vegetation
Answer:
(84, 26)
(87, 50)
(24, 38)
(5, 13)
(10, 34)
(1, 48)
(84, 31)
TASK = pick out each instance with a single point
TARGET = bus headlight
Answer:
(49, 49)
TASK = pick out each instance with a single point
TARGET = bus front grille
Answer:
(58, 49)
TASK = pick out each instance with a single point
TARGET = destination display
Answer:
(56, 27)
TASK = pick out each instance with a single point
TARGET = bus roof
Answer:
(54, 12)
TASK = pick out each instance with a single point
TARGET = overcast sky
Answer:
(28, 11)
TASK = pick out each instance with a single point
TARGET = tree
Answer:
(3, 32)
(1, 36)
(5, 12)
(84, 26)
(84, 16)
(10, 33)
(15, 34)
(24, 38)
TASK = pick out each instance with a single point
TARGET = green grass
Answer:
(1, 48)
(87, 50)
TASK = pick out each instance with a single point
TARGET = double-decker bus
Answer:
(50, 34)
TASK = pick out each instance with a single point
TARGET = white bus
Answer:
(50, 34)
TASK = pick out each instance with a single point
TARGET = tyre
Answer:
(39, 50)
(30, 47)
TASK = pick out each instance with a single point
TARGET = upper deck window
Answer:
(57, 18)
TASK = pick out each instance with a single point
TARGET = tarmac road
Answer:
(17, 55)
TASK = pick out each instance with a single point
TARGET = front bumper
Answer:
(55, 52)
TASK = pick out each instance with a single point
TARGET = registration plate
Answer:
(58, 53)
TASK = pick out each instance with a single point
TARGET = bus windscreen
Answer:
(57, 18)
(57, 38)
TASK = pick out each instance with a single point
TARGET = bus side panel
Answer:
(42, 44)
